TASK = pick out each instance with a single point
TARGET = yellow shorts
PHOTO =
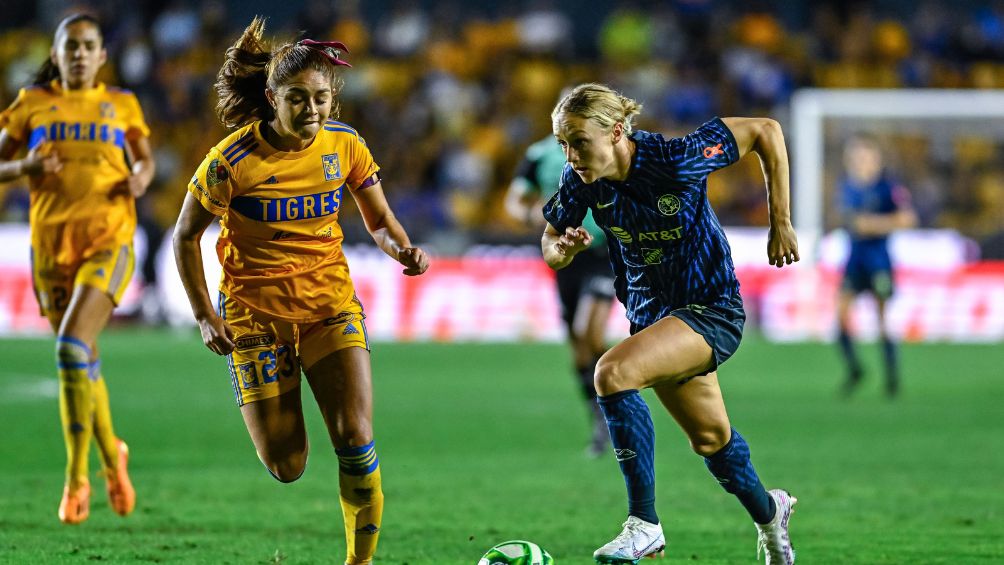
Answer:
(107, 270)
(270, 352)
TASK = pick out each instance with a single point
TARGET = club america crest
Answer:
(668, 204)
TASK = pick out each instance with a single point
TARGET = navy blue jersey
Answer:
(667, 248)
(881, 197)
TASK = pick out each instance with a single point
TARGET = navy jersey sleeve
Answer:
(709, 148)
(567, 208)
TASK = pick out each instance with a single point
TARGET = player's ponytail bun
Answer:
(631, 109)
(600, 103)
(241, 82)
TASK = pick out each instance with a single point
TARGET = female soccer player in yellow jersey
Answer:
(286, 299)
(88, 159)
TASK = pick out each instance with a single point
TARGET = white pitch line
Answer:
(30, 388)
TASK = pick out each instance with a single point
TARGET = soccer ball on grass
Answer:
(516, 552)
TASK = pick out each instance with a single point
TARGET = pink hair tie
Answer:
(330, 49)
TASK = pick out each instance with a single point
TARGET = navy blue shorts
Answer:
(860, 277)
(720, 325)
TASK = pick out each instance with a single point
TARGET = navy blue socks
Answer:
(732, 467)
(633, 437)
(891, 366)
(847, 348)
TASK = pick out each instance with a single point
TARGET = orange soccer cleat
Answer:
(121, 495)
(76, 504)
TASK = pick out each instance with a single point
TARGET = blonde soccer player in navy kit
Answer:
(286, 299)
(674, 275)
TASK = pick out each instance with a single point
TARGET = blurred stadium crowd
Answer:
(449, 94)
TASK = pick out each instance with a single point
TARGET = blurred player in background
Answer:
(88, 159)
(873, 207)
(674, 275)
(286, 300)
(585, 288)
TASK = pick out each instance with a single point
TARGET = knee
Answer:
(352, 429)
(285, 468)
(355, 438)
(72, 352)
(611, 376)
(710, 441)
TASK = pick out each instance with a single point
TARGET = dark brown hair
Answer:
(251, 67)
(49, 71)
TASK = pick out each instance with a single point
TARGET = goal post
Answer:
(811, 107)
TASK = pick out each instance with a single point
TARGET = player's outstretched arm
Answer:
(387, 232)
(764, 137)
(560, 248)
(192, 223)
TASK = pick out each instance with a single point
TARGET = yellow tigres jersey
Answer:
(280, 244)
(89, 129)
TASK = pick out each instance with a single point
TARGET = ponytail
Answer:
(46, 73)
(242, 80)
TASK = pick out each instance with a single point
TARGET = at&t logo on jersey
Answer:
(621, 234)
(332, 169)
(657, 235)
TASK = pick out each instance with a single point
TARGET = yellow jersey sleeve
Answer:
(213, 183)
(362, 164)
(15, 118)
(136, 126)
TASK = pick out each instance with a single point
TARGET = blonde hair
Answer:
(251, 66)
(600, 103)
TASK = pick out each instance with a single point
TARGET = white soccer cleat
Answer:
(638, 539)
(772, 538)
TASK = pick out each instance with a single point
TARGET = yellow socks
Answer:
(104, 434)
(75, 405)
(362, 501)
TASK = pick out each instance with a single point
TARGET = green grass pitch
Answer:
(483, 443)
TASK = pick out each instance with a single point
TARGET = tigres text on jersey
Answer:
(281, 244)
